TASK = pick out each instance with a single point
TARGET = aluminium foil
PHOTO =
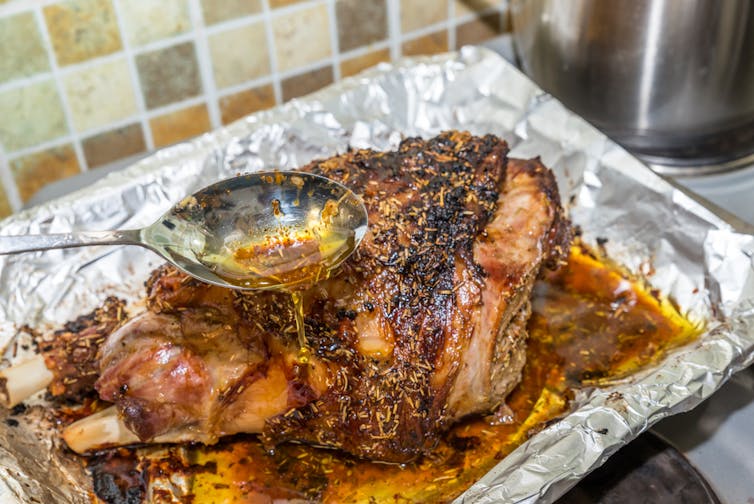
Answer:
(701, 258)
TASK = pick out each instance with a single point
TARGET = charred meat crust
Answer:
(71, 354)
(427, 203)
(409, 325)
(395, 410)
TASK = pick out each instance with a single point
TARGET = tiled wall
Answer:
(87, 82)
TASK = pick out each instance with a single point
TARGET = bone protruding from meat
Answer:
(99, 430)
(105, 429)
(21, 381)
(425, 325)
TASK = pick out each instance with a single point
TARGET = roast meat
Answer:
(423, 325)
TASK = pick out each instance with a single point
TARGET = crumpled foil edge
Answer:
(688, 252)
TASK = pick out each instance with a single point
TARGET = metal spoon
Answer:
(263, 230)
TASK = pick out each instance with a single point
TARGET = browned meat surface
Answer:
(425, 324)
(71, 352)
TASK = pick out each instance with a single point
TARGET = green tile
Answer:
(216, 11)
(21, 51)
(82, 29)
(169, 75)
(148, 21)
(31, 115)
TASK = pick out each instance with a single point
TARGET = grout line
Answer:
(289, 9)
(234, 23)
(451, 25)
(394, 28)
(244, 86)
(58, 81)
(11, 189)
(272, 52)
(425, 30)
(22, 82)
(14, 8)
(111, 126)
(146, 129)
(163, 43)
(421, 32)
(43, 146)
(149, 47)
(334, 43)
(176, 106)
(315, 65)
(93, 62)
(471, 16)
(247, 20)
(365, 49)
(127, 121)
(205, 64)
(198, 35)
(19, 6)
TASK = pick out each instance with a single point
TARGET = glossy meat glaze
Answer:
(424, 325)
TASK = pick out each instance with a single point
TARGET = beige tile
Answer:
(302, 36)
(429, 44)
(146, 21)
(100, 94)
(274, 4)
(478, 30)
(82, 29)
(239, 54)
(35, 171)
(179, 125)
(466, 7)
(169, 75)
(216, 11)
(113, 145)
(360, 23)
(243, 103)
(306, 83)
(417, 14)
(31, 115)
(355, 65)
(21, 51)
(5, 207)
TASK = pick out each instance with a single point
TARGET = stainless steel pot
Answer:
(671, 80)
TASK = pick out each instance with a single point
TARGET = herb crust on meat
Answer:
(425, 324)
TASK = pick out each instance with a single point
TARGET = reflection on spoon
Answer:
(265, 230)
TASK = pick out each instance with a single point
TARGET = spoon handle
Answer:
(32, 243)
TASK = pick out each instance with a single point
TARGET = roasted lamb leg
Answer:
(67, 362)
(424, 325)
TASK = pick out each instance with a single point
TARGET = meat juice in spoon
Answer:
(287, 242)
(263, 230)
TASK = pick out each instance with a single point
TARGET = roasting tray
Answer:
(704, 260)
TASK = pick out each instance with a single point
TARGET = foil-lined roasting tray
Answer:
(703, 261)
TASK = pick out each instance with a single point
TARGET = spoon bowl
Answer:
(263, 230)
